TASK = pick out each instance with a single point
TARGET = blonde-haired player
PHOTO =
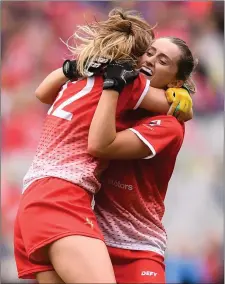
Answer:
(56, 229)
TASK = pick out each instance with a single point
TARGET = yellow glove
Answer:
(181, 103)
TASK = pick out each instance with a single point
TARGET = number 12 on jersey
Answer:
(59, 111)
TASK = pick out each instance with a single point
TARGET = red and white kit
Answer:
(130, 205)
(62, 150)
(59, 185)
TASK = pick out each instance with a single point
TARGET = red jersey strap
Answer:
(160, 134)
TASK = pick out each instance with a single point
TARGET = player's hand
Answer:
(117, 75)
(96, 66)
(93, 68)
(70, 69)
(181, 103)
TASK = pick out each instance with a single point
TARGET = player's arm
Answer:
(142, 141)
(103, 140)
(47, 91)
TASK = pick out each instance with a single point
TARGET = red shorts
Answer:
(132, 266)
(50, 209)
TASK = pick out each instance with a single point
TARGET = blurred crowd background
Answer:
(31, 48)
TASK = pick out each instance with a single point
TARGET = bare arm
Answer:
(50, 86)
(155, 101)
(104, 142)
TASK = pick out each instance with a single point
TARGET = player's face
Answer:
(159, 63)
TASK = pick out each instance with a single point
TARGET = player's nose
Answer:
(150, 62)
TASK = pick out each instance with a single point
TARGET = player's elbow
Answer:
(39, 95)
(42, 97)
(96, 151)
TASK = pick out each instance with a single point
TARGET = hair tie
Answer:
(130, 28)
(122, 16)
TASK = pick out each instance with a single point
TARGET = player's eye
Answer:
(162, 62)
(149, 54)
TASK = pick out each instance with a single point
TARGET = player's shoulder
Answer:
(96, 81)
(140, 88)
(139, 84)
(167, 122)
(133, 93)
(141, 80)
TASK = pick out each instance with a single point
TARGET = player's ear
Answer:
(176, 84)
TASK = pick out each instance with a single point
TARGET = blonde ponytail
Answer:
(123, 36)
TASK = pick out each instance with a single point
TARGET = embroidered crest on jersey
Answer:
(155, 122)
(152, 124)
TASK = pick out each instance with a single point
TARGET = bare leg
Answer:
(79, 259)
(48, 277)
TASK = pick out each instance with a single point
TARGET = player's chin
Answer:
(156, 83)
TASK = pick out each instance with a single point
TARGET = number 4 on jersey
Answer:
(59, 111)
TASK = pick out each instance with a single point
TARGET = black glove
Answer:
(117, 75)
(70, 69)
(95, 67)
